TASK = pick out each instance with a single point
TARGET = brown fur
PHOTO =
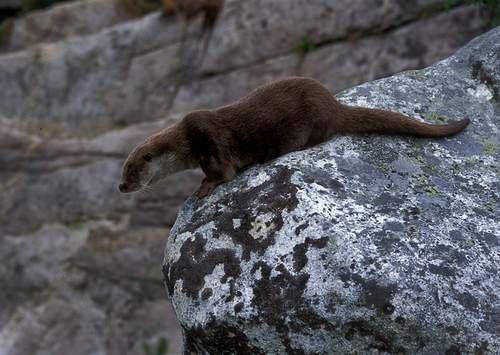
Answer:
(284, 116)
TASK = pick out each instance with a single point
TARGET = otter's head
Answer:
(159, 156)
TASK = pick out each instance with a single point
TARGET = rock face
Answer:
(361, 244)
(116, 72)
(64, 21)
(80, 262)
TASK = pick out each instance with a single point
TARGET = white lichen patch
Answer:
(236, 223)
(261, 225)
(258, 179)
(481, 92)
(175, 248)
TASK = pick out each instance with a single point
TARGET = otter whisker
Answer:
(144, 190)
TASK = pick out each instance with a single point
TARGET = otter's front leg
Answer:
(207, 187)
(217, 172)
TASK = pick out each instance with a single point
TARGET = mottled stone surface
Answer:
(92, 287)
(79, 177)
(361, 244)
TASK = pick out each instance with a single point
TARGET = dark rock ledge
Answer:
(362, 244)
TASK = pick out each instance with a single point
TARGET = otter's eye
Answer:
(148, 157)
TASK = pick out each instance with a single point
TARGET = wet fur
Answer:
(284, 116)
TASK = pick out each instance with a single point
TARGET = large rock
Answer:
(361, 244)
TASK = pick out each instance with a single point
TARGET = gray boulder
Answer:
(361, 244)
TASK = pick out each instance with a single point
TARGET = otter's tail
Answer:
(367, 120)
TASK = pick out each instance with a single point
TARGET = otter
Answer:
(272, 120)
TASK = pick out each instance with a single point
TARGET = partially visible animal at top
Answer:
(188, 9)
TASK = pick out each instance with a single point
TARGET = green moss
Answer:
(419, 158)
(431, 191)
(471, 162)
(77, 224)
(491, 206)
(423, 183)
(161, 347)
(415, 152)
(304, 46)
(435, 118)
(489, 148)
(415, 74)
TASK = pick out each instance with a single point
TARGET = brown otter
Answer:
(284, 116)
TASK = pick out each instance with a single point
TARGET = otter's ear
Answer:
(148, 157)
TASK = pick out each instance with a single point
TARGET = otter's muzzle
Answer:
(124, 187)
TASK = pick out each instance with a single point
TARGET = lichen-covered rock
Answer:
(361, 244)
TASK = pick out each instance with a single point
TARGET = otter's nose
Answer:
(123, 187)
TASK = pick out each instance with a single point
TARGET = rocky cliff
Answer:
(362, 244)
(83, 82)
(128, 72)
